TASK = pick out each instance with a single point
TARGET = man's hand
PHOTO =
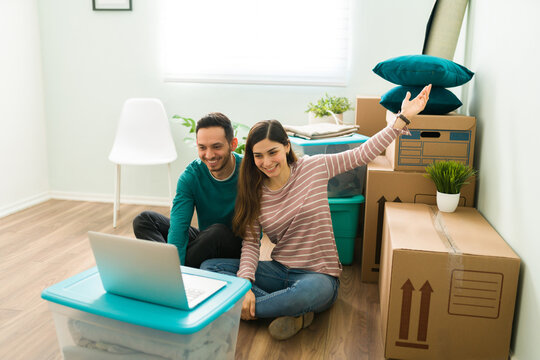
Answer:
(248, 306)
(415, 106)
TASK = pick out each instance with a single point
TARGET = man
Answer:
(209, 185)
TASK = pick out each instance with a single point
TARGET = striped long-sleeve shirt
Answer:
(297, 217)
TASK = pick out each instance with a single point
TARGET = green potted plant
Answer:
(192, 126)
(449, 177)
(328, 109)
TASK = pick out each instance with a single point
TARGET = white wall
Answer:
(504, 52)
(23, 159)
(93, 61)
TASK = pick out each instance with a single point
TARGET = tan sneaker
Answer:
(285, 327)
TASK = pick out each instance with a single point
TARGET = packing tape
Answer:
(455, 260)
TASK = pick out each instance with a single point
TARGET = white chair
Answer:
(143, 137)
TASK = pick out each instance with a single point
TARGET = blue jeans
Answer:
(281, 291)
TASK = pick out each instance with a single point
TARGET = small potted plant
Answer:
(448, 177)
(328, 109)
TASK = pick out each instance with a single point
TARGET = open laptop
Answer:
(149, 271)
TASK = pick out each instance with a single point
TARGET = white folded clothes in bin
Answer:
(320, 131)
(213, 339)
(83, 353)
(90, 336)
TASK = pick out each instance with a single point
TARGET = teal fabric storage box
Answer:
(349, 183)
(344, 212)
(93, 324)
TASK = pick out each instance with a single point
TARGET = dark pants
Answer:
(216, 241)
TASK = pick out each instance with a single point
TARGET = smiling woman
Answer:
(244, 41)
(271, 158)
(287, 198)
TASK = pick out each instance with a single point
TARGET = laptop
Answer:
(148, 271)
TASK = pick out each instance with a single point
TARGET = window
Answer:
(300, 42)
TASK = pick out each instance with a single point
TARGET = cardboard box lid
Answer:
(451, 121)
(462, 232)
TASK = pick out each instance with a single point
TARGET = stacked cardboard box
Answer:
(447, 287)
(433, 138)
(447, 281)
(399, 176)
(370, 115)
(383, 185)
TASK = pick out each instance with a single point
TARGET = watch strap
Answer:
(404, 118)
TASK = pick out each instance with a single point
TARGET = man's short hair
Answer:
(216, 119)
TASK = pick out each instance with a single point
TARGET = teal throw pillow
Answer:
(420, 70)
(441, 100)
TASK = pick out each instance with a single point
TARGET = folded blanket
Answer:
(211, 341)
(320, 131)
(84, 353)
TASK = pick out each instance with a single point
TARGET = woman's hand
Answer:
(415, 106)
(248, 306)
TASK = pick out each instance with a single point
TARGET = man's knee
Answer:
(142, 219)
(150, 225)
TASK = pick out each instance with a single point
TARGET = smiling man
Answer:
(208, 185)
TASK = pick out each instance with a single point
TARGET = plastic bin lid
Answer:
(85, 292)
(352, 139)
(356, 199)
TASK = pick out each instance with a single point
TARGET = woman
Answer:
(287, 198)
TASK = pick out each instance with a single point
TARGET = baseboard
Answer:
(108, 198)
(24, 203)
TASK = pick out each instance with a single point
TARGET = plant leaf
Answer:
(449, 176)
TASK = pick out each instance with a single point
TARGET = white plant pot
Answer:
(325, 119)
(447, 202)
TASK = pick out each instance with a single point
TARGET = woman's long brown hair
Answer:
(250, 181)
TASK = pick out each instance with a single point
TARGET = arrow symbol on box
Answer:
(425, 300)
(406, 300)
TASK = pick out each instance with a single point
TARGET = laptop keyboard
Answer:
(197, 288)
(193, 293)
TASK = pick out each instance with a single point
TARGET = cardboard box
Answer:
(448, 285)
(384, 185)
(433, 138)
(370, 115)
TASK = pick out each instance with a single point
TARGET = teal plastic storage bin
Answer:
(349, 183)
(93, 324)
(344, 212)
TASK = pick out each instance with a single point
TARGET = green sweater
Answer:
(213, 199)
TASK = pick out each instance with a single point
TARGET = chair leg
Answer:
(116, 194)
(170, 185)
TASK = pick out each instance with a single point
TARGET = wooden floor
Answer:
(47, 243)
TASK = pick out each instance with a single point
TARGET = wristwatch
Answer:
(403, 117)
